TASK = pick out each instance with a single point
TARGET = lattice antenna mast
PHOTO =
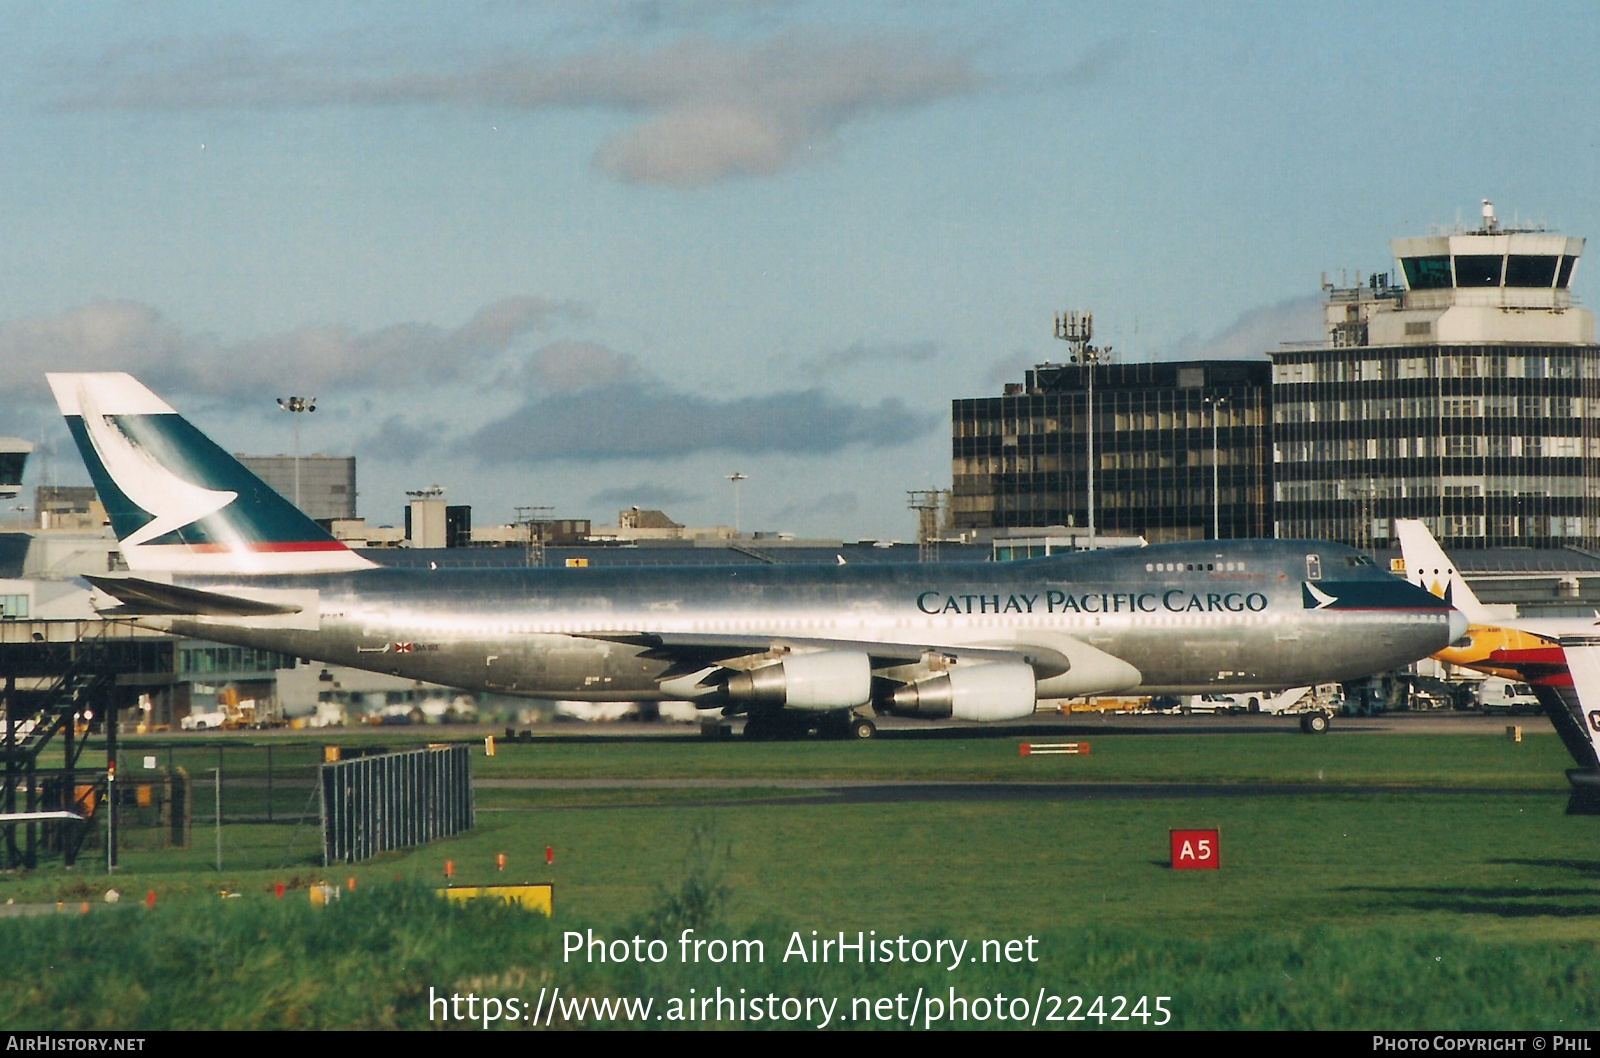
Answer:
(1076, 329)
(531, 518)
(927, 503)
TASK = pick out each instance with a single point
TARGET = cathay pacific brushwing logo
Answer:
(1315, 598)
(172, 501)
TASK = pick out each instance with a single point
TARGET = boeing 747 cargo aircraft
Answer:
(214, 553)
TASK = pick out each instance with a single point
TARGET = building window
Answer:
(1531, 270)
(1479, 270)
(1427, 273)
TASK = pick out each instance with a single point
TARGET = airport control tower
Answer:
(1467, 395)
(13, 457)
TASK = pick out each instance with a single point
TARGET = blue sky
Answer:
(591, 254)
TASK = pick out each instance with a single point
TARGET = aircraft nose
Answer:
(1458, 625)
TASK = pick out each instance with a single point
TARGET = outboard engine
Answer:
(998, 690)
(823, 681)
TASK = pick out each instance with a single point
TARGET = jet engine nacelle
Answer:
(1000, 690)
(828, 679)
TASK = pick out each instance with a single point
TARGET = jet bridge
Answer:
(58, 677)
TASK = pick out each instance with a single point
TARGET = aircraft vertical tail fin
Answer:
(1578, 723)
(1428, 567)
(178, 502)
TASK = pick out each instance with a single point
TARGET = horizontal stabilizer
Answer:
(147, 598)
(13, 818)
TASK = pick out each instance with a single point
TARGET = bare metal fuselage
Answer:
(1187, 617)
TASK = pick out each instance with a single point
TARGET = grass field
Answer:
(1269, 755)
(1473, 903)
(1483, 761)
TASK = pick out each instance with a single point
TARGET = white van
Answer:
(1496, 695)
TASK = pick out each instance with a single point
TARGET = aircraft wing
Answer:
(978, 681)
(695, 651)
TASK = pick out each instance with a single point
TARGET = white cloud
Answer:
(130, 336)
(704, 109)
(574, 365)
(645, 419)
(861, 354)
(1257, 331)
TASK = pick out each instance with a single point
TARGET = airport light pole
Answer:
(736, 478)
(1216, 476)
(297, 405)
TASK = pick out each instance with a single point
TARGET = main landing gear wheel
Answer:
(1314, 723)
(862, 729)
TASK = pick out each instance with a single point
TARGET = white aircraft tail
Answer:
(177, 502)
(1578, 723)
(1428, 567)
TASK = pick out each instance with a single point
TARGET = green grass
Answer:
(1498, 867)
(375, 958)
(1265, 755)
(1335, 909)
(1538, 762)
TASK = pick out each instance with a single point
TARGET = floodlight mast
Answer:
(299, 406)
(736, 478)
(1217, 404)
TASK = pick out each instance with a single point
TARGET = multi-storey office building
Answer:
(327, 484)
(1181, 451)
(1469, 397)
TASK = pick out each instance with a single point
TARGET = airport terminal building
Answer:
(1181, 450)
(1466, 395)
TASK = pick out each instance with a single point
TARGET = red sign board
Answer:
(1196, 850)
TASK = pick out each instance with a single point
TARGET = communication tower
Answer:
(927, 503)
